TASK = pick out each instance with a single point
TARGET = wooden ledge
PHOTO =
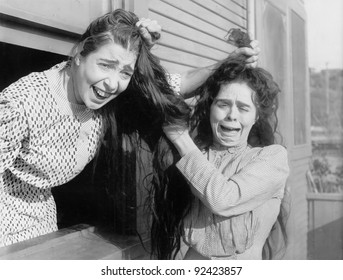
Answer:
(81, 242)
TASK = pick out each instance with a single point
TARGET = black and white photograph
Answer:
(200, 132)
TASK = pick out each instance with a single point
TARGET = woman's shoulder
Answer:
(60, 66)
(28, 83)
(274, 151)
(40, 78)
(31, 90)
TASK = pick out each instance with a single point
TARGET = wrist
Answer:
(184, 144)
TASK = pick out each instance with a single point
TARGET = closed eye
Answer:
(243, 108)
(222, 104)
(107, 66)
(126, 75)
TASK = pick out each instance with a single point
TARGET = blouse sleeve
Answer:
(13, 128)
(174, 81)
(261, 179)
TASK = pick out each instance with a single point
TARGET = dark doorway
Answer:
(17, 61)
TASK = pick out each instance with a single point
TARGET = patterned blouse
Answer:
(229, 186)
(45, 141)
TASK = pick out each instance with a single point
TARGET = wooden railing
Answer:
(325, 225)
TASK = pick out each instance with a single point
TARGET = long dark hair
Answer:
(133, 122)
(177, 203)
(262, 133)
(265, 100)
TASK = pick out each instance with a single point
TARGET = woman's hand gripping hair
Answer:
(245, 46)
(150, 30)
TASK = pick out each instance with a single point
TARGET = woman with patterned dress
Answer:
(52, 123)
(232, 177)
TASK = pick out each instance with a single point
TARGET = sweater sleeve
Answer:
(13, 127)
(262, 178)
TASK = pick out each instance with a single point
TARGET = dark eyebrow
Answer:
(243, 104)
(116, 62)
(240, 103)
(110, 61)
(222, 100)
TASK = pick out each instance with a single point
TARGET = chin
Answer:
(230, 145)
(227, 142)
(94, 105)
(227, 145)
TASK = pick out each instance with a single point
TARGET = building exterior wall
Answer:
(193, 36)
(280, 29)
(194, 31)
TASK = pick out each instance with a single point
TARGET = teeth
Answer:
(101, 93)
(230, 129)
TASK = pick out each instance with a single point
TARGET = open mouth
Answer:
(100, 93)
(229, 129)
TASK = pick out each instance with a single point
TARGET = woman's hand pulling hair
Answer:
(180, 137)
(150, 30)
(245, 46)
(251, 54)
(174, 132)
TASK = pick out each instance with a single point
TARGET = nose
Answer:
(232, 114)
(112, 82)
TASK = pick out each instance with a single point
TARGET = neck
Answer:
(69, 85)
(218, 147)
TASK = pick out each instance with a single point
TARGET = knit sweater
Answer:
(232, 187)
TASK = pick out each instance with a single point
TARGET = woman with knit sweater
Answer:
(223, 198)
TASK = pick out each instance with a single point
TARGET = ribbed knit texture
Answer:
(230, 185)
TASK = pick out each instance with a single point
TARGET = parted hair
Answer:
(133, 124)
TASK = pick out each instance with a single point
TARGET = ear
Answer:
(76, 53)
(77, 60)
(257, 118)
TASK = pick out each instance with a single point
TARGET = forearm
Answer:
(242, 192)
(192, 79)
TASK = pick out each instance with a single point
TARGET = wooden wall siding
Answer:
(223, 9)
(242, 3)
(194, 31)
(239, 8)
(297, 224)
